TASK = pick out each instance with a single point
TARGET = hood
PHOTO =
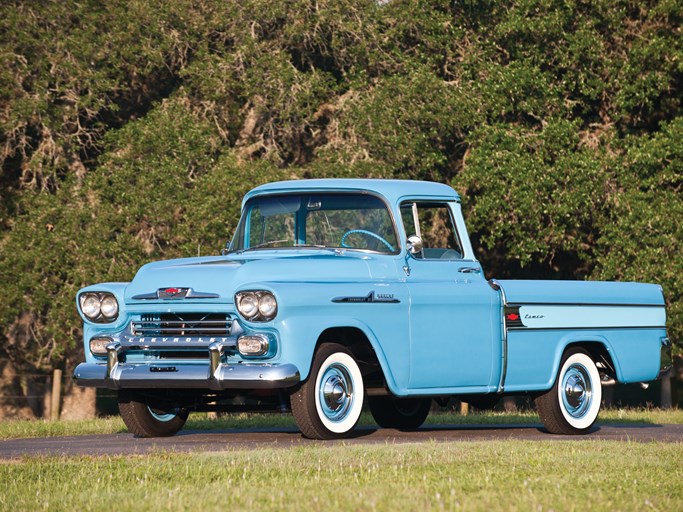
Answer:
(220, 277)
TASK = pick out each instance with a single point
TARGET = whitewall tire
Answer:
(572, 405)
(329, 403)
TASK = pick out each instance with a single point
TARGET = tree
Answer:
(559, 122)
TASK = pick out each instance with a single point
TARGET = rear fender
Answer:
(595, 345)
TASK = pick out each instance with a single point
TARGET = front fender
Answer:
(299, 338)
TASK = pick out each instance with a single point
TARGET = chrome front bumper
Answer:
(215, 375)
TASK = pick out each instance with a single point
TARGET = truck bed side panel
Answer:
(534, 355)
(543, 318)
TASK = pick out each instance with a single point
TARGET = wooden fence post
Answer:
(56, 394)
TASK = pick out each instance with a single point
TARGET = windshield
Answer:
(351, 221)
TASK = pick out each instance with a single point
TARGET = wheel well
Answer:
(357, 342)
(600, 355)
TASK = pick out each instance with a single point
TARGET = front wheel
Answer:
(572, 405)
(148, 417)
(399, 413)
(329, 403)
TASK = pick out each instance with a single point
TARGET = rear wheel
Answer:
(572, 405)
(149, 417)
(399, 413)
(329, 403)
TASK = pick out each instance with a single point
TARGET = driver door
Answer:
(452, 319)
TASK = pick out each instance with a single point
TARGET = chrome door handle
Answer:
(469, 270)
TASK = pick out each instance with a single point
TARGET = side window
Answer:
(436, 228)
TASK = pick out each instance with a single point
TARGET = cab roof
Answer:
(392, 190)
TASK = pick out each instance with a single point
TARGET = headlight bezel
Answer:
(98, 315)
(249, 305)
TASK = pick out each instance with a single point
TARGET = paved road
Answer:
(222, 440)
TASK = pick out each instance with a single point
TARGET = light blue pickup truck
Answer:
(336, 294)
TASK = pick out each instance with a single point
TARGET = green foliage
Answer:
(536, 195)
(130, 130)
(642, 238)
(410, 123)
(70, 70)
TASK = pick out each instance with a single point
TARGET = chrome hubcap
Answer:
(336, 392)
(577, 392)
(160, 415)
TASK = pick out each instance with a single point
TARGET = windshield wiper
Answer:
(271, 242)
(316, 246)
(264, 244)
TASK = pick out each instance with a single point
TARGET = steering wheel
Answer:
(366, 233)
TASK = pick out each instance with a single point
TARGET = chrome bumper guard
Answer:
(216, 375)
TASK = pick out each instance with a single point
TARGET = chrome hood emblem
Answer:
(175, 293)
(172, 293)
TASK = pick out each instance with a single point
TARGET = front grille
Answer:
(182, 324)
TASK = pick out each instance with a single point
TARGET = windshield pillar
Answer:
(300, 226)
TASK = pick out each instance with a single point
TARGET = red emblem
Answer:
(512, 317)
(172, 293)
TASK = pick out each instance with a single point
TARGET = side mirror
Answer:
(415, 245)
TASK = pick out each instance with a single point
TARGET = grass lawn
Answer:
(492, 475)
(488, 475)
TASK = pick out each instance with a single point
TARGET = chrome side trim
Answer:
(372, 297)
(504, 363)
(602, 304)
(187, 376)
(556, 316)
(596, 328)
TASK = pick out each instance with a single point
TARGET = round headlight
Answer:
(267, 306)
(90, 305)
(248, 304)
(109, 306)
